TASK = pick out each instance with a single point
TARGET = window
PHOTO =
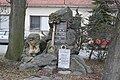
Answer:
(39, 23)
(35, 23)
(4, 22)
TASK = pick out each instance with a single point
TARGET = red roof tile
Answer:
(3, 2)
(45, 2)
(80, 3)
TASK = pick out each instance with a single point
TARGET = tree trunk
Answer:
(16, 29)
(112, 66)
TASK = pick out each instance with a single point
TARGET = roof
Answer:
(35, 3)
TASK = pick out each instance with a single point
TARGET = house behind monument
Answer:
(38, 11)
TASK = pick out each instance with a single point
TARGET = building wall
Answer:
(4, 18)
(37, 12)
(45, 11)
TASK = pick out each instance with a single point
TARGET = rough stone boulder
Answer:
(60, 15)
(38, 62)
(78, 64)
(39, 78)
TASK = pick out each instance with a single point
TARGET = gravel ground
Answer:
(9, 71)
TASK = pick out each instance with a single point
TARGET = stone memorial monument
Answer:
(63, 34)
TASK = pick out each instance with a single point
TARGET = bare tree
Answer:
(112, 66)
(16, 29)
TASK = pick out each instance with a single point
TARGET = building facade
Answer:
(38, 11)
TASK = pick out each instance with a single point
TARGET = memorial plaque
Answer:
(60, 36)
(64, 58)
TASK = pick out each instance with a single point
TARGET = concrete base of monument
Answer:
(64, 72)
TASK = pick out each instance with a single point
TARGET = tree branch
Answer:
(26, 4)
(9, 1)
(117, 4)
